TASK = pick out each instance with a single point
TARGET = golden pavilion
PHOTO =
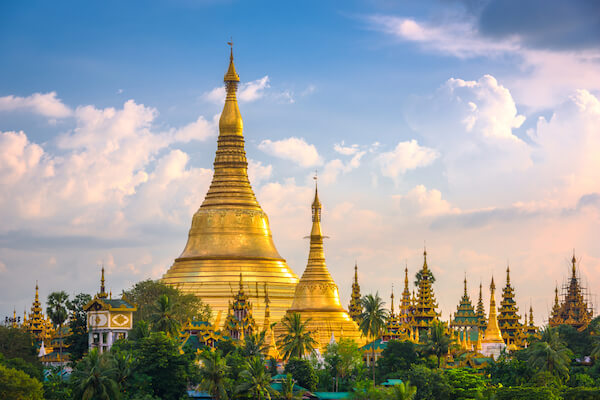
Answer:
(316, 298)
(230, 232)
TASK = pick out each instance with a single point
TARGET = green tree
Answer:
(297, 341)
(287, 389)
(303, 372)
(402, 391)
(431, 384)
(33, 369)
(93, 378)
(17, 385)
(78, 339)
(213, 374)
(158, 357)
(55, 387)
(163, 318)
(372, 321)
(465, 384)
(419, 277)
(255, 380)
(396, 359)
(438, 341)
(342, 358)
(145, 294)
(255, 344)
(15, 342)
(510, 371)
(57, 311)
(141, 329)
(550, 354)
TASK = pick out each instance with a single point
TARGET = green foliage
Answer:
(78, 340)
(297, 341)
(145, 294)
(465, 384)
(510, 372)
(545, 379)
(580, 343)
(255, 381)
(158, 357)
(162, 318)
(55, 387)
(526, 393)
(213, 374)
(419, 277)
(438, 341)
(288, 386)
(402, 391)
(580, 379)
(342, 359)
(93, 378)
(581, 393)
(372, 321)
(17, 385)
(255, 345)
(396, 359)
(430, 383)
(235, 362)
(303, 372)
(57, 312)
(33, 369)
(550, 354)
(17, 343)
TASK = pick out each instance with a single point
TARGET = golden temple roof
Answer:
(492, 331)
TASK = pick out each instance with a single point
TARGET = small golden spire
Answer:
(102, 293)
(574, 261)
(355, 272)
(465, 284)
(392, 304)
(492, 331)
(406, 277)
(507, 275)
(37, 295)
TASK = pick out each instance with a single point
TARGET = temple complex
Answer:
(492, 343)
(355, 308)
(316, 298)
(41, 328)
(230, 232)
(425, 308)
(573, 309)
(508, 320)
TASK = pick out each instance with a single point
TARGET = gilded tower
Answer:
(481, 318)
(41, 328)
(425, 308)
(355, 308)
(405, 301)
(465, 319)
(508, 320)
(317, 299)
(240, 322)
(573, 309)
(492, 344)
(230, 232)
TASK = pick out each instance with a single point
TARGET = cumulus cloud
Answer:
(425, 203)
(346, 150)
(257, 172)
(45, 104)
(247, 92)
(17, 156)
(405, 156)
(201, 129)
(293, 149)
(336, 167)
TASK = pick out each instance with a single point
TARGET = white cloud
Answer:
(257, 172)
(406, 156)
(294, 149)
(346, 150)
(3, 268)
(334, 167)
(17, 156)
(426, 203)
(201, 129)
(247, 92)
(46, 104)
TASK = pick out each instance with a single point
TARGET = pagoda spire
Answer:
(481, 318)
(355, 307)
(508, 320)
(492, 331)
(102, 294)
(392, 314)
(425, 311)
(465, 316)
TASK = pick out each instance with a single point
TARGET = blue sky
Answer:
(472, 126)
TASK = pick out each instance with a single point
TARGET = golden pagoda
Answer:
(230, 232)
(481, 318)
(492, 344)
(317, 299)
(240, 322)
(405, 301)
(508, 320)
(425, 308)
(573, 309)
(355, 307)
(41, 328)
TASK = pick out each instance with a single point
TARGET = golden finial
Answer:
(37, 296)
(355, 271)
(507, 274)
(231, 77)
(574, 261)
(102, 293)
(465, 283)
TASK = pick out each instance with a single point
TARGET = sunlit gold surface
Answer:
(230, 233)
(317, 296)
(492, 331)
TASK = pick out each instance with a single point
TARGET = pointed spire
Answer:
(424, 258)
(102, 294)
(531, 315)
(465, 281)
(507, 275)
(574, 265)
(406, 277)
(392, 302)
(492, 331)
(355, 272)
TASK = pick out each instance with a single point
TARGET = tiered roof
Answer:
(355, 308)
(508, 320)
(481, 318)
(465, 316)
(240, 322)
(425, 310)
(40, 327)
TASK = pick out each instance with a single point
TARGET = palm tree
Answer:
(123, 367)
(163, 317)
(93, 378)
(550, 354)
(255, 345)
(298, 341)
(256, 381)
(372, 322)
(57, 311)
(213, 374)
(287, 389)
(438, 341)
(402, 391)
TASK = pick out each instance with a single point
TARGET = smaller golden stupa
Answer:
(492, 344)
(317, 298)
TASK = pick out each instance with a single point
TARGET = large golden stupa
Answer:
(230, 233)
(317, 298)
